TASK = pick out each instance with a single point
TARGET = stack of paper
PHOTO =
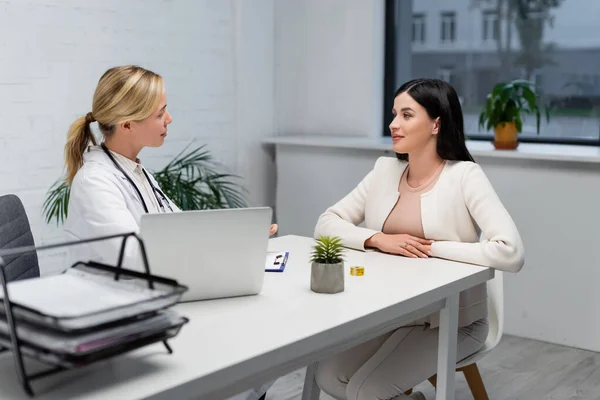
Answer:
(63, 318)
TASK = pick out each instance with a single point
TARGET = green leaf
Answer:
(530, 98)
(56, 204)
(510, 111)
(327, 250)
(481, 119)
(518, 123)
(523, 83)
(499, 88)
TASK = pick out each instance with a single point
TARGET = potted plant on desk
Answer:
(503, 110)
(327, 268)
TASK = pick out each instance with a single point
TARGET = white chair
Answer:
(468, 366)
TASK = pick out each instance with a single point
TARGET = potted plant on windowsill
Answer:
(327, 268)
(504, 108)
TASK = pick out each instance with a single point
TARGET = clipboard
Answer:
(276, 261)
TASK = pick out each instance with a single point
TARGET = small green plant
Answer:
(508, 101)
(327, 250)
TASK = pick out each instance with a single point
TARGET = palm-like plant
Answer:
(190, 180)
(193, 183)
(327, 250)
(57, 202)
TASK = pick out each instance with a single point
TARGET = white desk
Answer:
(232, 344)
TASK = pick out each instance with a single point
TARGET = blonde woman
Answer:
(110, 189)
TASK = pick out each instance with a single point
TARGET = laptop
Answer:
(216, 253)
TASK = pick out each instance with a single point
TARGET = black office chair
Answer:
(16, 232)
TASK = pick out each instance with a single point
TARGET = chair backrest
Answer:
(16, 232)
(495, 289)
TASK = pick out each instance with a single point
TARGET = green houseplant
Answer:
(327, 265)
(191, 180)
(504, 108)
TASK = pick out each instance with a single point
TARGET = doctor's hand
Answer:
(273, 229)
(402, 244)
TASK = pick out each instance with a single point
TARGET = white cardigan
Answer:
(462, 213)
(461, 205)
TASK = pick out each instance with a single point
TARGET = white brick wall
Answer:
(52, 52)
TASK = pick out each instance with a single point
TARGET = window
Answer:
(448, 28)
(563, 62)
(538, 78)
(418, 28)
(445, 74)
(490, 26)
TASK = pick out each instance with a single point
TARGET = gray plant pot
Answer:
(327, 278)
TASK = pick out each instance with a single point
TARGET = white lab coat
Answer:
(103, 202)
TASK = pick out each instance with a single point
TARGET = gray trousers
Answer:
(389, 365)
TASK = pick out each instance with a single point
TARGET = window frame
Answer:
(445, 73)
(487, 17)
(422, 28)
(446, 16)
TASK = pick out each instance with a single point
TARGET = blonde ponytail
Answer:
(79, 137)
(125, 93)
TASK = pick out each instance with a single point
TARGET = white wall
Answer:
(255, 97)
(555, 205)
(216, 57)
(329, 66)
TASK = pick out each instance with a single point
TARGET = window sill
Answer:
(479, 149)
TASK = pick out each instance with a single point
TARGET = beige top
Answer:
(136, 172)
(405, 217)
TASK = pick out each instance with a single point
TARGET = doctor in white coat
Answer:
(110, 189)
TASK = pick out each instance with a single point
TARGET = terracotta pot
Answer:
(505, 136)
(327, 278)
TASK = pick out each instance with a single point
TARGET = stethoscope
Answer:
(157, 192)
